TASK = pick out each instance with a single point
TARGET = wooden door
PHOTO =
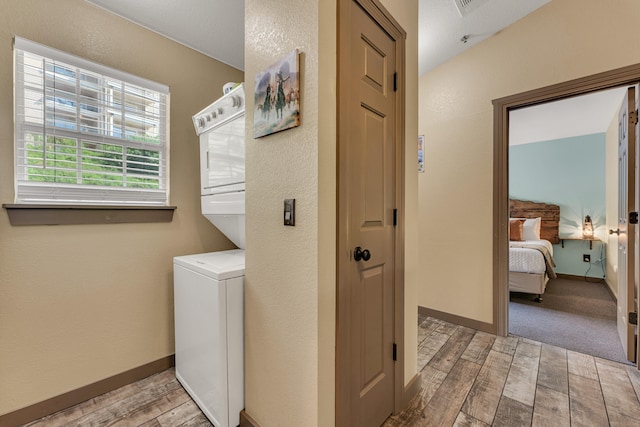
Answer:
(367, 202)
(626, 237)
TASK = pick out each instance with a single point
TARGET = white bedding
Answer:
(526, 260)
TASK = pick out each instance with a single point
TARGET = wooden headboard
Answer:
(550, 215)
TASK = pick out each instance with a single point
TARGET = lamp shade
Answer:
(587, 227)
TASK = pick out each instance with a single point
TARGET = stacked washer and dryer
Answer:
(209, 287)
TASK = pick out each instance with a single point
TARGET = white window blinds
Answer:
(86, 133)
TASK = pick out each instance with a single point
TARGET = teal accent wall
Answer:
(568, 172)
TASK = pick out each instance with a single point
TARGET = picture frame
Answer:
(421, 153)
(277, 97)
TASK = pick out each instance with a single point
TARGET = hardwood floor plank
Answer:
(483, 398)
(582, 364)
(528, 348)
(512, 413)
(153, 423)
(465, 420)
(619, 396)
(506, 344)
(586, 402)
(521, 381)
(444, 406)
(553, 372)
(608, 362)
(451, 351)
(432, 379)
(181, 415)
(154, 409)
(126, 406)
(551, 408)
(425, 328)
(479, 347)
(446, 328)
(430, 347)
(84, 409)
(198, 421)
(634, 377)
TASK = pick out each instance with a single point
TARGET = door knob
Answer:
(616, 231)
(361, 254)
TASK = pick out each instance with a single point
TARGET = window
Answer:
(87, 134)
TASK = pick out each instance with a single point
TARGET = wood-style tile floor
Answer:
(157, 401)
(469, 378)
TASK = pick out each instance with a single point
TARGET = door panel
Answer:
(370, 159)
(626, 204)
(373, 315)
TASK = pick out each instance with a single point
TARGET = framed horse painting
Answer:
(277, 97)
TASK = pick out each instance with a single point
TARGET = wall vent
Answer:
(467, 6)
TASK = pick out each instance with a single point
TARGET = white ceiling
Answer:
(582, 115)
(212, 27)
(216, 28)
(442, 27)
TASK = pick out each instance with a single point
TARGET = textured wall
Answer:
(281, 289)
(82, 303)
(562, 40)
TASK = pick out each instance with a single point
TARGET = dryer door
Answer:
(222, 154)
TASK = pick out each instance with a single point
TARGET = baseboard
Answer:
(580, 278)
(411, 390)
(247, 421)
(458, 320)
(66, 400)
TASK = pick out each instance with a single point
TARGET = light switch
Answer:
(290, 212)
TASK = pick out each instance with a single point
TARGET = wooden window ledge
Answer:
(24, 214)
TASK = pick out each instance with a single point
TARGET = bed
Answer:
(533, 228)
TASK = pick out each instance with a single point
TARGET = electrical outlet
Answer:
(586, 257)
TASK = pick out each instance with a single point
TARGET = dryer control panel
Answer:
(222, 110)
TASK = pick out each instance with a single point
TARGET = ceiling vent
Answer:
(467, 6)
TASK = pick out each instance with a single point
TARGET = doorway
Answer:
(564, 153)
(626, 76)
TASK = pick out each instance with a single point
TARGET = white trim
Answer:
(58, 55)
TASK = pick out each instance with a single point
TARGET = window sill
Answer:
(86, 214)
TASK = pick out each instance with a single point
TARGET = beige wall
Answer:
(290, 275)
(563, 40)
(82, 303)
(611, 203)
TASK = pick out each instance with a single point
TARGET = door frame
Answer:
(379, 14)
(624, 76)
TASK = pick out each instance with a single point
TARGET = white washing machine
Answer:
(209, 332)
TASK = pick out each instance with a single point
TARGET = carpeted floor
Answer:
(576, 315)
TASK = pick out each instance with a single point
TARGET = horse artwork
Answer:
(277, 97)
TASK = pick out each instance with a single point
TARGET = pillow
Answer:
(531, 229)
(515, 229)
